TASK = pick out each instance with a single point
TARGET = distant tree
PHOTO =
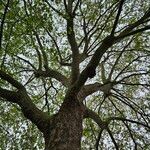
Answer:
(78, 70)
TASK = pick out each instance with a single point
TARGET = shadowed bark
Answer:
(65, 131)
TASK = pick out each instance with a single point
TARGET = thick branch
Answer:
(28, 108)
(72, 40)
(89, 71)
(126, 31)
(11, 80)
(8, 95)
(91, 114)
(53, 74)
(74, 48)
(136, 31)
(92, 88)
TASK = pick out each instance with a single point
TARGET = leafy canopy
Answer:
(36, 41)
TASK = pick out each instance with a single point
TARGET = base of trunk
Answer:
(66, 130)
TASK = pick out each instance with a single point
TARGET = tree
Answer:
(78, 71)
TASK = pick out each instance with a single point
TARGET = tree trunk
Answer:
(66, 127)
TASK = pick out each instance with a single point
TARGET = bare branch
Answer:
(54, 9)
(102, 124)
(133, 74)
(65, 4)
(56, 45)
(124, 101)
(96, 29)
(42, 50)
(26, 61)
(112, 138)
(96, 23)
(3, 21)
(118, 58)
(133, 84)
(131, 135)
(117, 17)
(121, 72)
(98, 139)
(128, 120)
(76, 6)
(130, 27)
(38, 54)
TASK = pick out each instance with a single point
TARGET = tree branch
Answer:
(128, 120)
(89, 71)
(65, 4)
(30, 111)
(92, 88)
(133, 74)
(8, 95)
(38, 54)
(117, 17)
(42, 50)
(130, 27)
(26, 61)
(76, 6)
(2, 22)
(54, 9)
(131, 135)
(53, 74)
(73, 43)
(21, 98)
(112, 138)
(98, 139)
(11, 80)
(56, 45)
(122, 71)
(118, 58)
(136, 31)
(91, 114)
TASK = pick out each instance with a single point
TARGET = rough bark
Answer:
(65, 130)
